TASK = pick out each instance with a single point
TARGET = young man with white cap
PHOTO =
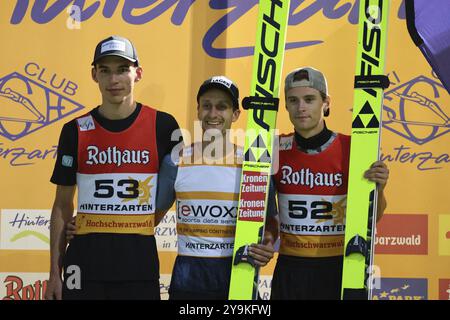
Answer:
(111, 155)
(312, 186)
(205, 187)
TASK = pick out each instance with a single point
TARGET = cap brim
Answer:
(215, 85)
(113, 54)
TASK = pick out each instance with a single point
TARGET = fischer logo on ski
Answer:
(369, 84)
(256, 168)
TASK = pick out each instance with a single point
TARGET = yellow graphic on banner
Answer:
(444, 235)
(28, 233)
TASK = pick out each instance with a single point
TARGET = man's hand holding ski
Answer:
(379, 173)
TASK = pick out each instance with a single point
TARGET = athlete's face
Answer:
(215, 110)
(306, 109)
(116, 78)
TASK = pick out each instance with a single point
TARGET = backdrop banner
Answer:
(45, 81)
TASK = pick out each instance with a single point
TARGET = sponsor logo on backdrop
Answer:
(164, 285)
(25, 229)
(300, 12)
(23, 286)
(444, 235)
(444, 289)
(416, 110)
(166, 233)
(401, 289)
(30, 100)
(34, 99)
(265, 286)
(402, 234)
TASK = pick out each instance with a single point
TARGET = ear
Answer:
(139, 74)
(236, 114)
(326, 106)
(198, 112)
(94, 74)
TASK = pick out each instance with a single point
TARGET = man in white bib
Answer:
(204, 183)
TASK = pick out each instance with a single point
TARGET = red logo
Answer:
(402, 234)
(252, 203)
(15, 289)
(444, 289)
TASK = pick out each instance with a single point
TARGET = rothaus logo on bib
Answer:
(113, 155)
(307, 177)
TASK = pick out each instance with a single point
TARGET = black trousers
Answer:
(190, 295)
(113, 290)
(307, 278)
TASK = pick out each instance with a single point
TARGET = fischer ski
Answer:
(262, 106)
(362, 196)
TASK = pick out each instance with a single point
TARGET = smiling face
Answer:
(215, 110)
(116, 78)
(306, 109)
